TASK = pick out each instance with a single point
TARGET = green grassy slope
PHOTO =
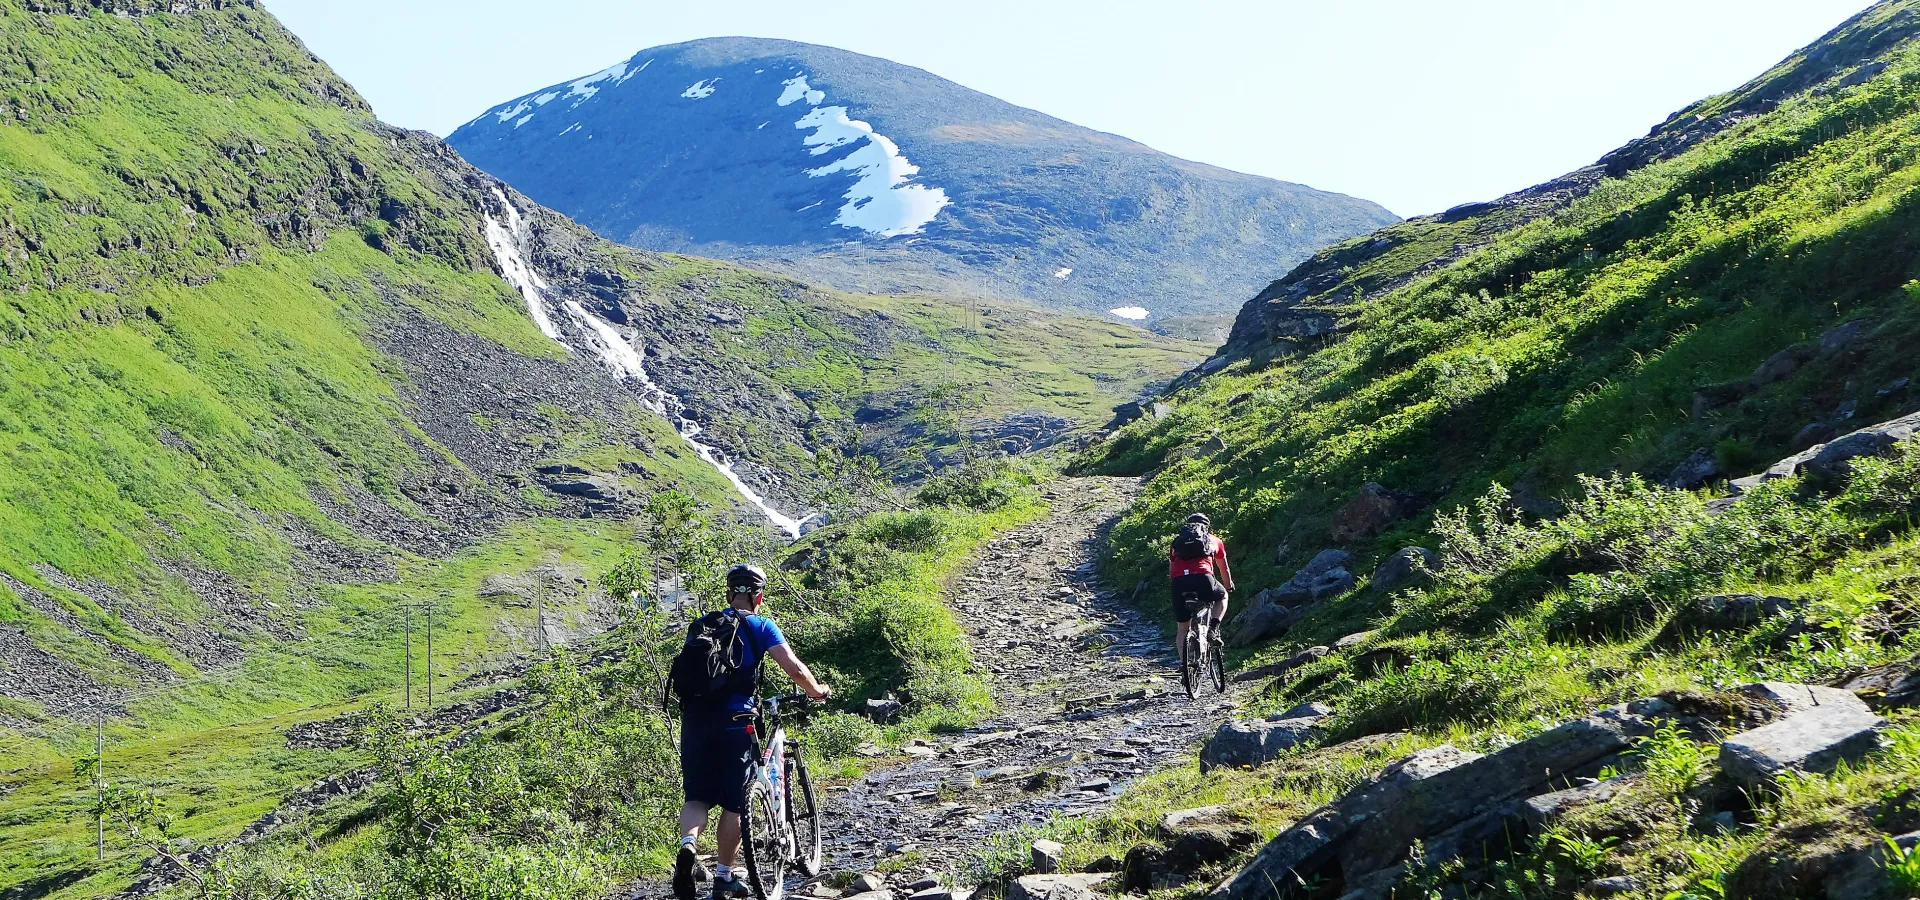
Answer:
(1553, 343)
(1566, 338)
(263, 385)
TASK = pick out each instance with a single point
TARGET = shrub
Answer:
(838, 735)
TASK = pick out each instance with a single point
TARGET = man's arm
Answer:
(798, 671)
(1226, 574)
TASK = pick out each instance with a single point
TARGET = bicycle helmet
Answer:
(1201, 518)
(745, 579)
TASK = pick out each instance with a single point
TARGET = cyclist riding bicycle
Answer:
(714, 742)
(1197, 566)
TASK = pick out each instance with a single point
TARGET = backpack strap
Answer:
(743, 633)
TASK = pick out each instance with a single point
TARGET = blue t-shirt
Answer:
(758, 635)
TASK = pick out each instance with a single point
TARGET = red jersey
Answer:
(1214, 563)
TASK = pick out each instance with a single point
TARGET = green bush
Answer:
(982, 485)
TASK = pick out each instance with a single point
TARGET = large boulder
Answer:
(1452, 801)
(1275, 610)
(1695, 471)
(1194, 838)
(595, 488)
(1272, 670)
(1833, 461)
(1840, 337)
(1264, 619)
(1823, 727)
(1781, 366)
(1302, 851)
(1725, 612)
(1240, 743)
(1409, 566)
(1367, 514)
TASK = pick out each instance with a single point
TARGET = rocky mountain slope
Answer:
(1630, 459)
(270, 363)
(874, 176)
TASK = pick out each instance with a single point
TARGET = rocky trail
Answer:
(1089, 699)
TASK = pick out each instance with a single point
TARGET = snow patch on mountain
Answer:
(881, 201)
(700, 90)
(1062, 272)
(1133, 313)
(587, 87)
(506, 113)
(797, 89)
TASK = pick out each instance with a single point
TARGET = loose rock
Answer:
(1367, 514)
(1827, 728)
(1239, 744)
(1058, 887)
(1409, 566)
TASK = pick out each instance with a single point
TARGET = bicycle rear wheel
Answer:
(1217, 663)
(803, 810)
(761, 844)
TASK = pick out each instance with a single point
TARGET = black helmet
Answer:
(745, 579)
(1201, 518)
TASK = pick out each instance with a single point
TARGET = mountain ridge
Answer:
(1012, 202)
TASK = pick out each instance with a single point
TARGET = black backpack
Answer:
(711, 665)
(1192, 541)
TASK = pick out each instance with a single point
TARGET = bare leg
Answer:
(1219, 616)
(728, 836)
(693, 818)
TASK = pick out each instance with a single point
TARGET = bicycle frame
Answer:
(769, 765)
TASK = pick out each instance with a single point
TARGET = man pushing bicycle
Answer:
(716, 675)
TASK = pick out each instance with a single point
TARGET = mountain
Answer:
(276, 372)
(874, 176)
(1640, 435)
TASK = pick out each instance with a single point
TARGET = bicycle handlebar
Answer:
(800, 701)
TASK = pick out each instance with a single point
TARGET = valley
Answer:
(1574, 530)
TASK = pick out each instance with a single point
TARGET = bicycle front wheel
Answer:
(803, 810)
(762, 845)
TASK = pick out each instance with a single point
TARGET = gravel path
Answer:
(1089, 698)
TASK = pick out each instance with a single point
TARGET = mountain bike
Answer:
(1198, 655)
(781, 829)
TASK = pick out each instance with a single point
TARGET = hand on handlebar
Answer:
(822, 694)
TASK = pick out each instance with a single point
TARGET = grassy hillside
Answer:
(1567, 338)
(266, 384)
(1521, 375)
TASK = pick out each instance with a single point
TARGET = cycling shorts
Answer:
(1202, 587)
(714, 748)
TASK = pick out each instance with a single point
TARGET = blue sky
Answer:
(1419, 105)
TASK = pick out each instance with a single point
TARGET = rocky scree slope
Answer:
(258, 344)
(874, 176)
(1641, 436)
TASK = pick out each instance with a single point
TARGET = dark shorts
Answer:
(1205, 590)
(713, 759)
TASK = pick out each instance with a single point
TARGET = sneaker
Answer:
(730, 889)
(683, 887)
(1216, 640)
